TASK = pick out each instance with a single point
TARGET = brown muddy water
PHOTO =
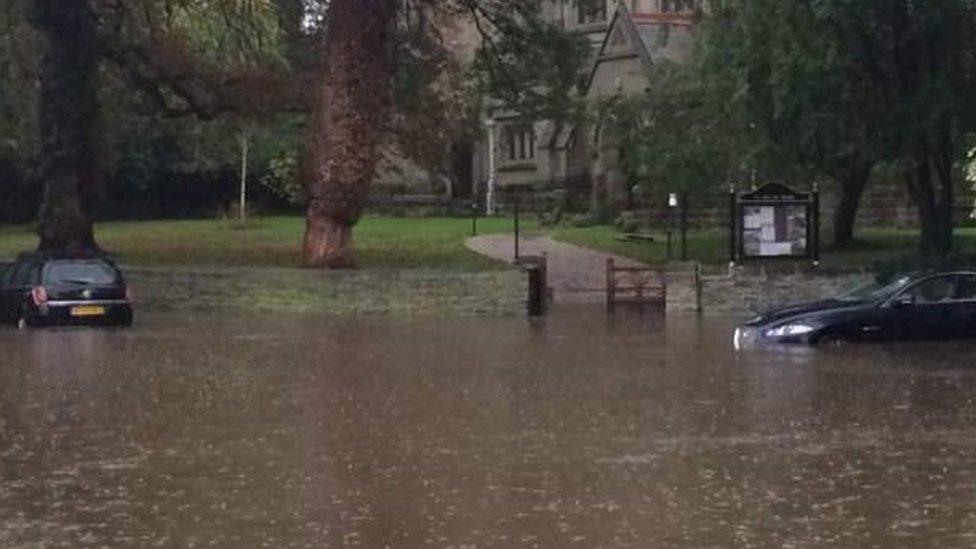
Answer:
(300, 431)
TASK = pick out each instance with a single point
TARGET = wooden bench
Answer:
(640, 286)
(634, 237)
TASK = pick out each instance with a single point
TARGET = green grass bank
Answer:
(873, 246)
(381, 242)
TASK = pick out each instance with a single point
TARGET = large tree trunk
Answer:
(930, 184)
(852, 184)
(68, 114)
(349, 122)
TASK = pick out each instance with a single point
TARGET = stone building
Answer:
(627, 38)
(553, 163)
(546, 157)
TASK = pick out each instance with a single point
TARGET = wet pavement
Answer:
(575, 274)
(301, 431)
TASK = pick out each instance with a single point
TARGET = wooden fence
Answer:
(640, 286)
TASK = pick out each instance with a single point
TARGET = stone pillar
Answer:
(683, 287)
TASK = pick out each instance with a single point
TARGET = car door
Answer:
(5, 276)
(18, 291)
(925, 310)
(12, 289)
(966, 304)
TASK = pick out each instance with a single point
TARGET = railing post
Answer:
(544, 266)
(611, 285)
(684, 226)
(474, 218)
(733, 225)
(516, 227)
(816, 224)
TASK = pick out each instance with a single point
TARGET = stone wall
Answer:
(749, 290)
(498, 293)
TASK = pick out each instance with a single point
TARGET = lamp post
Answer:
(490, 197)
(733, 225)
(672, 204)
(680, 200)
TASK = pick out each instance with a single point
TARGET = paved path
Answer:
(575, 273)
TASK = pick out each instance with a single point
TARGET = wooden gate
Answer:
(640, 286)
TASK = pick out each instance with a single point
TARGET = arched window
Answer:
(520, 143)
(592, 11)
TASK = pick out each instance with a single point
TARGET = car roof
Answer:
(947, 272)
(44, 257)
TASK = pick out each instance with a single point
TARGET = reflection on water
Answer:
(571, 431)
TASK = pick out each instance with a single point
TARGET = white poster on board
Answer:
(774, 249)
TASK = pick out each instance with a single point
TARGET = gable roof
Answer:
(642, 29)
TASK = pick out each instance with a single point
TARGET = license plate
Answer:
(88, 311)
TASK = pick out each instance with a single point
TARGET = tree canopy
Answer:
(839, 86)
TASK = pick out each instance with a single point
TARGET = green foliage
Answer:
(283, 178)
(553, 217)
(627, 222)
(836, 86)
(527, 64)
(18, 100)
(784, 72)
(671, 138)
(235, 33)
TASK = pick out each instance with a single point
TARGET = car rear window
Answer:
(6, 274)
(22, 275)
(81, 273)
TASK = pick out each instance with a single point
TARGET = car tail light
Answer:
(39, 295)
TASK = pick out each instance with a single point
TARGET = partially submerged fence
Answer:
(639, 286)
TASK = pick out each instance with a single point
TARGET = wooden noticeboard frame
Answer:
(774, 209)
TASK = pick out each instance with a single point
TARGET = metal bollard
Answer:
(536, 304)
(474, 218)
(535, 268)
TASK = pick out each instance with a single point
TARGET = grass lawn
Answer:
(711, 246)
(392, 243)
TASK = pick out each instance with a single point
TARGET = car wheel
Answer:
(833, 339)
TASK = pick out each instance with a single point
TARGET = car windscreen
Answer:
(89, 272)
(876, 289)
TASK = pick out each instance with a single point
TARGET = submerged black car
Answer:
(37, 290)
(939, 305)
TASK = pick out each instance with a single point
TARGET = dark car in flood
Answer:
(934, 305)
(37, 290)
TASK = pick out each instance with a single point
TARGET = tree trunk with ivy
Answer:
(930, 182)
(852, 182)
(349, 121)
(68, 114)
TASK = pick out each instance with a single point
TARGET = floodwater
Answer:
(298, 431)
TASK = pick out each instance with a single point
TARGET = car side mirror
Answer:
(903, 301)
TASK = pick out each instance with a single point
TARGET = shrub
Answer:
(627, 222)
(551, 218)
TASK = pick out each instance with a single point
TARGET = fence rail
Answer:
(640, 286)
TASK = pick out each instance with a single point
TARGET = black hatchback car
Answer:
(37, 290)
(935, 305)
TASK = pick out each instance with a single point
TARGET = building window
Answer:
(521, 143)
(592, 11)
(676, 6)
